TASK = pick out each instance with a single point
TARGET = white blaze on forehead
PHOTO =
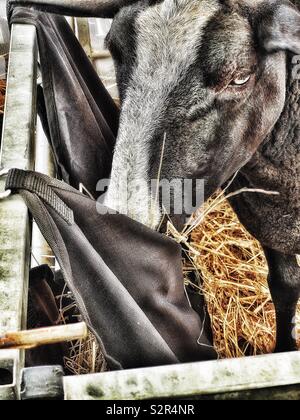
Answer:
(168, 37)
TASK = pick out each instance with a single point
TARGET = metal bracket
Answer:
(42, 383)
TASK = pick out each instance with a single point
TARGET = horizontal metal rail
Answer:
(17, 152)
(194, 380)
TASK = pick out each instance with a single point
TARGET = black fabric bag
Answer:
(77, 112)
(127, 279)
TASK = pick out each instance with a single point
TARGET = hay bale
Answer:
(233, 272)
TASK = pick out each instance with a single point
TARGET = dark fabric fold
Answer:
(79, 115)
(79, 8)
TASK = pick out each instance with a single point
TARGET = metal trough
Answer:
(263, 377)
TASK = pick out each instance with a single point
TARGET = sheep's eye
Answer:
(240, 81)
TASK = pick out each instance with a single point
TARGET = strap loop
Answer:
(40, 185)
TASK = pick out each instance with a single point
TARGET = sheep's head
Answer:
(202, 84)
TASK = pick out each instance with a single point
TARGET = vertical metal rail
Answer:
(44, 163)
(83, 35)
(15, 230)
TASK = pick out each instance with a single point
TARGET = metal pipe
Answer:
(7, 193)
(30, 339)
(17, 152)
(98, 55)
(83, 35)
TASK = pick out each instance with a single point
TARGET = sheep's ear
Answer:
(279, 28)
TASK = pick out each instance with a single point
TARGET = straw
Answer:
(232, 272)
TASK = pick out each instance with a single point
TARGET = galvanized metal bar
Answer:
(42, 383)
(44, 163)
(290, 393)
(188, 380)
(38, 337)
(83, 35)
(16, 152)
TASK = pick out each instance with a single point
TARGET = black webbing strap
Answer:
(18, 179)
